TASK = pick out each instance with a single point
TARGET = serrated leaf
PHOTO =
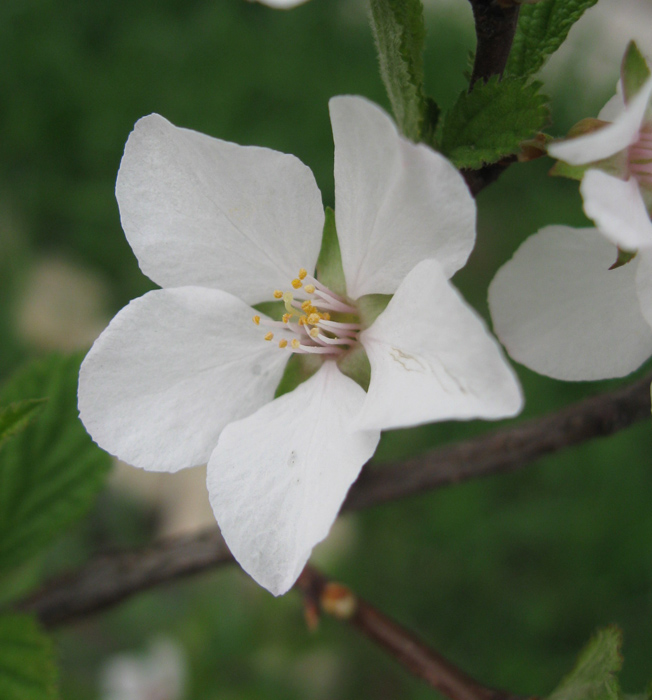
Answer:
(17, 417)
(51, 471)
(594, 675)
(399, 31)
(541, 30)
(491, 121)
(634, 71)
(27, 667)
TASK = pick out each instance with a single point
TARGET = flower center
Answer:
(317, 320)
(640, 157)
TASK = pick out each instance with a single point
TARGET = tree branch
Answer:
(109, 579)
(495, 26)
(412, 653)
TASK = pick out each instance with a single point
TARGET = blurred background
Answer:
(507, 576)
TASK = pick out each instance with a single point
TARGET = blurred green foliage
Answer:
(507, 576)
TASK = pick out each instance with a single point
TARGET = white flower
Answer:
(560, 310)
(617, 200)
(157, 675)
(182, 376)
(560, 306)
(282, 4)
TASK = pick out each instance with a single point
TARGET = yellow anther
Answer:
(310, 288)
(278, 294)
(295, 344)
(313, 319)
(302, 273)
(302, 320)
(286, 318)
(326, 316)
(282, 343)
(314, 332)
(307, 306)
(296, 283)
(256, 320)
(269, 336)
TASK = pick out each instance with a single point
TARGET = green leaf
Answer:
(17, 417)
(491, 121)
(27, 667)
(634, 71)
(51, 471)
(542, 28)
(594, 675)
(399, 31)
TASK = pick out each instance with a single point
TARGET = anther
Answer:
(286, 318)
(297, 283)
(278, 294)
(310, 288)
(302, 273)
(283, 343)
(314, 332)
(256, 320)
(295, 344)
(269, 336)
(313, 319)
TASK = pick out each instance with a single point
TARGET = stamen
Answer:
(295, 344)
(296, 283)
(278, 294)
(283, 343)
(256, 320)
(302, 273)
(310, 288)
(269, 336)
(286, 318)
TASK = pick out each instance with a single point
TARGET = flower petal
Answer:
(644, 283)
(432, 358)
(205, 212)
(170, 371)
(561, 311)
(277, 479)
(617, 208)
(396, 202)
(609, 140)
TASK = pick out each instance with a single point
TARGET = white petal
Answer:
(609, 140)
(170, 371)
(614, 106)
(396, 202)
(560, 311)
(278, 478)
(200, 211)
(432, 358)
(644, 283)
(617, 208)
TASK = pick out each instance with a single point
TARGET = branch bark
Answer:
(109, 579)
(410, 651)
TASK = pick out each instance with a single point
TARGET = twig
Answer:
(495, 26)
(412, 653)
(109, 579)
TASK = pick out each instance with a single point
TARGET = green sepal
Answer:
(18, 416)
(370, 306)
(27, 663)
(541, 30)
(298, 369)
(51, 471)
(624, 256)
(399, 30)
(634, 71)
(329, 264)
(355, 364)
(594, 675)
(492, 121)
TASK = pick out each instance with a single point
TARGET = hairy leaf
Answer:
(542, 28)
(491, 121)
(27, 667)
(594, 675)
(51, 471)
(17, 417)
(399, 31)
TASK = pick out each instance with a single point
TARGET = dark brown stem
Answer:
(495, 26)
(411, 652)
(109, 579)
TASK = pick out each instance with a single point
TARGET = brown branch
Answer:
(412, 653)
(109, 579)
(495, 26)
